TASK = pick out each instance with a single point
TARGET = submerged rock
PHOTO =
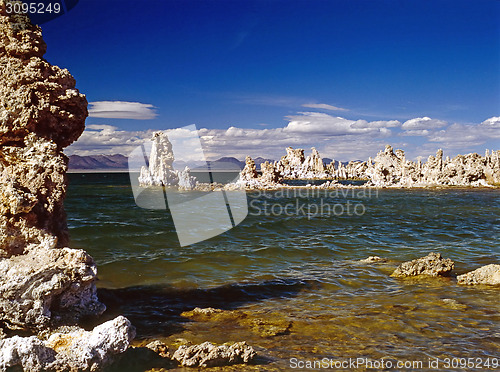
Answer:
(210, 355)
(263, 324)
(159, 348)
(489, 274)
(431, 265)
(373, 259)
(78, 350)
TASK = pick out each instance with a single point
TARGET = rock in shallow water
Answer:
(489, 274)
(431, 265)
(210, 355)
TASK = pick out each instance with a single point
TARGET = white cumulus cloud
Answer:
(423, 123)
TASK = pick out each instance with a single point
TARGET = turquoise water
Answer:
(304, 268)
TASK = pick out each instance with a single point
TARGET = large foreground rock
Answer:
(47, 285)
(42, 283)
(489, 274)
(431, 265)
(77, 350)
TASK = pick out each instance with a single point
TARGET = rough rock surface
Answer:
(47, 285)
(249, 172)
(77, 350)
(489, 274)
(41, 112)
(42, 284)
(210, 355)
(431, 265)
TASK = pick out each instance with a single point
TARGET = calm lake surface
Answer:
(302, 267)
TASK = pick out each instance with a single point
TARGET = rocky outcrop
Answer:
(290, 165)
(78, 350)
(43, 284)
(249, 172)
(431, 265)
(41, 112)
(391, 168)
(388, 169)
(161, 171)
(489, 274)
(210, 355)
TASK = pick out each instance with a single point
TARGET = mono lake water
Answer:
(302, 267)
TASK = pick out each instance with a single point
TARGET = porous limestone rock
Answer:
(42, 284)
(47, 285)
(388, 169)
(269, 174)
(249, 172)
(92, 350)
(391, 168)
(489, 274)
(431, 265)
(41, 112)
(160, 171)
(313, 166)
(78, 350)
(210, 355)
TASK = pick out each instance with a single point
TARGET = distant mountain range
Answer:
(93, 162)
(120, 162)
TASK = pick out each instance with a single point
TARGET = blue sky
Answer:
(257, 76)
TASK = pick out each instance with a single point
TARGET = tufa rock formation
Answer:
(388, 169)
(489, 274)
(161, 171)
(431, 265)
(42, 284)
(41, 112)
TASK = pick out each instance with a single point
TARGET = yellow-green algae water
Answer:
(293, 285)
